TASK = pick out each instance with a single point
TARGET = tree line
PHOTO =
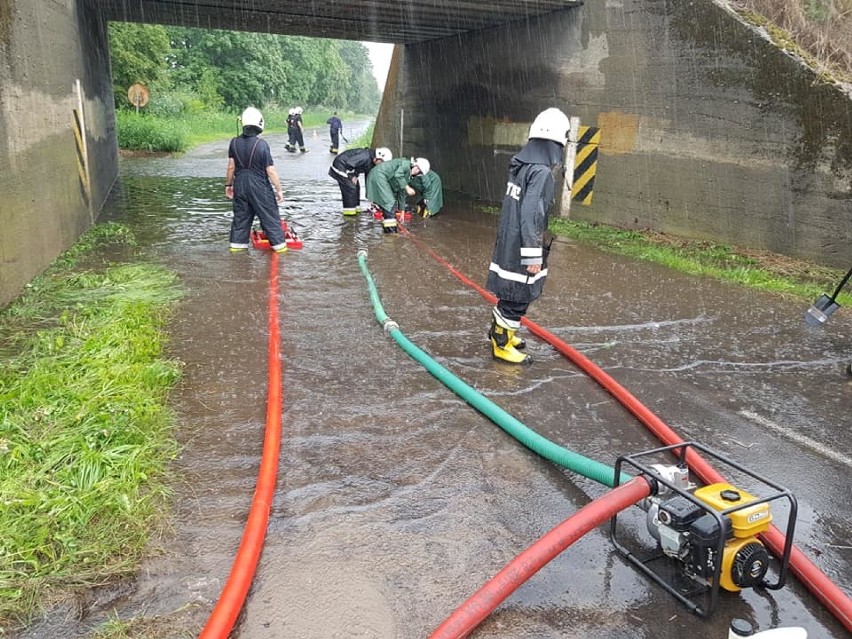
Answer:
(188, 69)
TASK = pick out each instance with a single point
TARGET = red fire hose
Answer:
(230, 602)
(473, 611)
(829, 594)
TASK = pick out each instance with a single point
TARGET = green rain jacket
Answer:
(386, 183)
(429, 188)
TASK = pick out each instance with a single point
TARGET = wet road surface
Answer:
(395, 499)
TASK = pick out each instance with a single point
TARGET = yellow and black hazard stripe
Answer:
(586, 164)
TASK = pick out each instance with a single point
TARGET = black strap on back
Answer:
(251, 155)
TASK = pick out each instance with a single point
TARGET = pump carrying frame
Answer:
(260, 241)
(709, 598)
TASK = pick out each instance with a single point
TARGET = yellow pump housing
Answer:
(747, 522)
(744, 560)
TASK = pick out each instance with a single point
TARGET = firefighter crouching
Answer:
(388, 189)
(428, 193)
(347, 166)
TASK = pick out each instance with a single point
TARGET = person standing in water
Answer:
(290, 145)
(519, 261)
(335, 129)
(252, 182)
(299, 130)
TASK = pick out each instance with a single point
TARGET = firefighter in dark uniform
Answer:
(335, 128)
(299, 130)
(249, 182)
(387, 187)
(519, 261)
(346, 168)
(292, 129)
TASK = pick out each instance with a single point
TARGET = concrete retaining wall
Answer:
(707, 130)
(45, 47)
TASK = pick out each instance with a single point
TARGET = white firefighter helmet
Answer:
(252, 117)
(551, 124)
(384, 154)
(299, 110)
(422, 164)
(292, 111)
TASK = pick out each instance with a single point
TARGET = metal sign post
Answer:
(570, 155)
(401, 128)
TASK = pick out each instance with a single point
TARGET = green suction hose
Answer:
(562, 456)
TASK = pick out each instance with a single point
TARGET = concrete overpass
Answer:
(706, 129)
(399, 22)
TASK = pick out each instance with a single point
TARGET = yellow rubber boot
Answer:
(515, 342)
(502, 347)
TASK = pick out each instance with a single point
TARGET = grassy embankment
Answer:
(818, 31)
(177, 134)
(363, 140)
(85, 435)
(759, 270)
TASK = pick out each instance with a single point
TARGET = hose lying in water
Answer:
(230, 602)
(828, 593)
(483, 602)
(568, 459)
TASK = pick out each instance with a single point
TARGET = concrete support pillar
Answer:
(45, 49)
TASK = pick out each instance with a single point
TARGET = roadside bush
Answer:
(165, 105)
(149, 133)
(176, 103)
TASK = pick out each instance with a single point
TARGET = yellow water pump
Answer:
(711, 532)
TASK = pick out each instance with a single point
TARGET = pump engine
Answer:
(710, 532)
(691, 535)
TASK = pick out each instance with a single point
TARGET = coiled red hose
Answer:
(233, 596)
(828, 593)
(479, 605)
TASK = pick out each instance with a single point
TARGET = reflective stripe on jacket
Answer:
(354, 161)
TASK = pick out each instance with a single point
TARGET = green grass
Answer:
(85, 436)
(364, 140)
(753, 269)
(798, 279)
(170, 625)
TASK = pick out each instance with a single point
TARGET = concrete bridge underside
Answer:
(706, 129)
(399, 22)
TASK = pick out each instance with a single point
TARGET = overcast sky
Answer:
(380, 56)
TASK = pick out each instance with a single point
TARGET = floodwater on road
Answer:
(395, 499)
